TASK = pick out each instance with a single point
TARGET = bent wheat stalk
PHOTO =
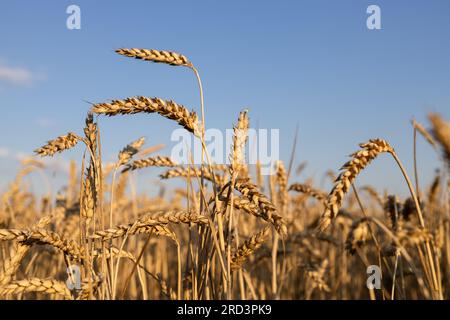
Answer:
(350, 170)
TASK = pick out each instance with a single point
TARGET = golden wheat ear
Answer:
(150, 162)
(349, 171)
(308, 190)
(249, 247)
(168, 109)
(157, 56)
(58, 145)
(48, 286)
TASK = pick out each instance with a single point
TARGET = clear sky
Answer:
(311, 63)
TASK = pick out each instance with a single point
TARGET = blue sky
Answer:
(311, 63)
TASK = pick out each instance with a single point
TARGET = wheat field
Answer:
(230, 233)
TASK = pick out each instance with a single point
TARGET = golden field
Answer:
(230, 232)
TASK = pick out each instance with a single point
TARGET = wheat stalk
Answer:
(239, 141)
(316, 275)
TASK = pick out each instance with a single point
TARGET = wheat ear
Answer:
(58, 145)
(12, 265)
(349, 171)
(152, 223)
(150, 162)
(13, 234)
(48, 286)
(129, 151)
(249, 247)
(441, 132)
(239, 141)
(308, 190)
(421, 129)
(282, 181)
(358, 235)
(46, 237)
(158, 56)
(267, 210)
(192, 173)
(167, 109)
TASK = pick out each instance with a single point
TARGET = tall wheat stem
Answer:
(421, 220)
